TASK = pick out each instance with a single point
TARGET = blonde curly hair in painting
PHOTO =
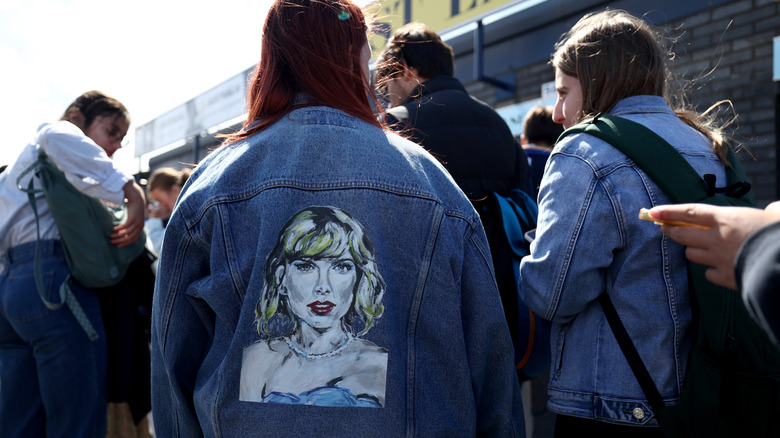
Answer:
(316, 232)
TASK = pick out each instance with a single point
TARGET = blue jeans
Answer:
(52, 377)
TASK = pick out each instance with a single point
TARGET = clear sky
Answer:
(152, 55)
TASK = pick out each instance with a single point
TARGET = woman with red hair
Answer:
(250, 340)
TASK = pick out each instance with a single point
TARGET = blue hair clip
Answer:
(343, 15)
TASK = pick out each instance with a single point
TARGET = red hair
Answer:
(311, 47)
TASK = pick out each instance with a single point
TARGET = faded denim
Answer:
(589, 240)
(52, 377)
(449, 366)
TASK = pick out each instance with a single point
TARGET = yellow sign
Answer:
(387, 16)
(439, 15)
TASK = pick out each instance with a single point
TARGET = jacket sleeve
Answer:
(181, 332)
(575, 238)
(757, 271)
(85, 164)
(489, 346)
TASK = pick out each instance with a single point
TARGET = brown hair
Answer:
(165, 178)
(539, 127)
(414, 45)
(615, 55)
(93, 104)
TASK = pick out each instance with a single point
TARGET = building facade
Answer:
(725, 50)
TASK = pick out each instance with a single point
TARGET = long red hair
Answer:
(311, 47)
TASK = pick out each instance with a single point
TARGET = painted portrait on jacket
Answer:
(322, 292)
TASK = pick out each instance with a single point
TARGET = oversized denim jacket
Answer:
(442, 344)
(589, 240)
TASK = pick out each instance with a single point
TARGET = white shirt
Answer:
(85, 165)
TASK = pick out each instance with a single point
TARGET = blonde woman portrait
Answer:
(322, 283)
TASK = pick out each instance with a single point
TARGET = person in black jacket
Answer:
(414, 73)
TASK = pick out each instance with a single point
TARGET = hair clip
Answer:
(343, 15)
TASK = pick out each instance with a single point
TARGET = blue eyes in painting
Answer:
(341, 266)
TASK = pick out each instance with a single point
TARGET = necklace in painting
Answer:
(316, 356)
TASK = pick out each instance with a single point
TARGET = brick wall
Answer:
(722, 53)
(734, 42)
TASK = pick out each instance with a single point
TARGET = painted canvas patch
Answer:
(322, 293)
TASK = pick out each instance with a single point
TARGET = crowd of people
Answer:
(341, 252)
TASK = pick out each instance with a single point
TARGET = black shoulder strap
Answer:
(632, 355)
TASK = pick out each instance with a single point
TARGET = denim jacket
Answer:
(589, 240)
(437, 360)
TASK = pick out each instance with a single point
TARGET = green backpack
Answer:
(732, 383)
(85, 225)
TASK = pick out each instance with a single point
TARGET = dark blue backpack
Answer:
(517, 214)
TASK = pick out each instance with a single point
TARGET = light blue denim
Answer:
(52, 377)
(449, 352)
(589, 240)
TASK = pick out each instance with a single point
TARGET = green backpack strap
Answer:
(65, 293)
(31, 192)
(658, 159)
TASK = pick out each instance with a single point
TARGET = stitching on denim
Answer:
(557, 290)
(193, 219)
(422, 280)
(235, 273)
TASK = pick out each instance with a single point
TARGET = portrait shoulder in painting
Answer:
(322, 294)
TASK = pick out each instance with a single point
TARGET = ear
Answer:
(77, 118)
(410, 80)
(279, 274)
(523, 141)
(412, 75)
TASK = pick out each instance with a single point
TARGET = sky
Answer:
(152, 55)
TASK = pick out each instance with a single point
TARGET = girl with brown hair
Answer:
(53, 376)
(589, 240)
